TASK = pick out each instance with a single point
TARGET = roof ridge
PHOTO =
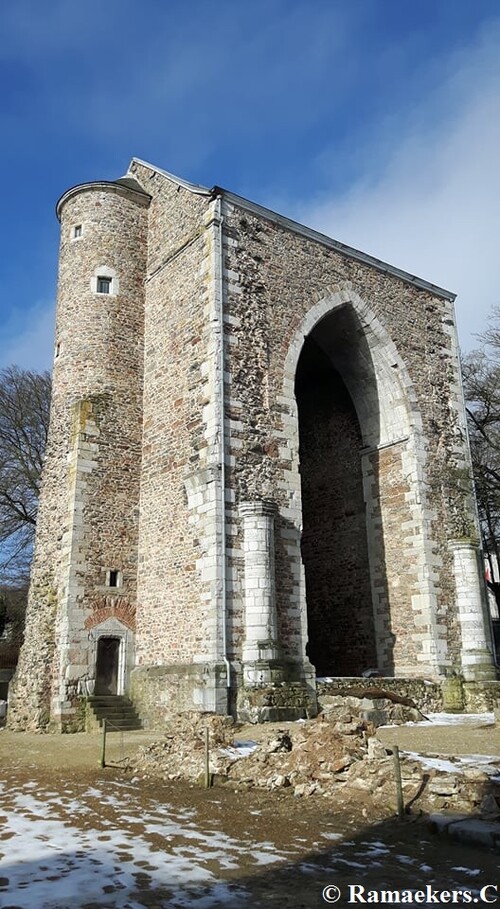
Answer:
(192, 187)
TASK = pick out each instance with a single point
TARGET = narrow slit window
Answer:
(113, 579)
(103, 284)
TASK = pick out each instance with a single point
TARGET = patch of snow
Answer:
(239, 749)
(49, 862)
(484, 762)
(451, 719)
(431, 763)
(406, 859)
(343, 861)
(478, 758)
(376, 849)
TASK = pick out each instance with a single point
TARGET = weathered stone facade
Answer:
(257, 465)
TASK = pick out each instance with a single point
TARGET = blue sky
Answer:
(375, 121)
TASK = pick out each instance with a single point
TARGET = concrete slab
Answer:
(485, 834)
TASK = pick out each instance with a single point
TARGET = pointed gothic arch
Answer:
(392, 467)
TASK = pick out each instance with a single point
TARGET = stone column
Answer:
(261, 622)
(477, 654)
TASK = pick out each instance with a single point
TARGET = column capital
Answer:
(465, 543)
(262, 507)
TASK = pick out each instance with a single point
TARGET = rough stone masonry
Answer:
(257, 471)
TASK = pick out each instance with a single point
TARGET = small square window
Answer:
(103, 284)
(77, 231)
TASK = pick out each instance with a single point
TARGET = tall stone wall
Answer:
(179, 561)
(396, 352)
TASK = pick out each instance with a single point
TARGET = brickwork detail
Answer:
(111, 607)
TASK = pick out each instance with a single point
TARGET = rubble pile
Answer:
(180, 753)
(334, 755)
(378, 707)
(310, 757)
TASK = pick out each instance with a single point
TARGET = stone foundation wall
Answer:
(160, 692)
(451, 695)
(481, 696)
(427, 695)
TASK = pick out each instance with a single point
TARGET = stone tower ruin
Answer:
(257, 471)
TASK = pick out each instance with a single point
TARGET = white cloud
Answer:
(433, 206)
(29, 343)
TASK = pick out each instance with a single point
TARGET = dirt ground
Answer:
(450, 740)
(84, 751)
(300, 827)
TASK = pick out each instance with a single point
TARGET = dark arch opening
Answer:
(334, 540)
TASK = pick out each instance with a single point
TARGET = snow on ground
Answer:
(240, 749)
(486, 762)
(452, 719)
(112, 846)
(60, 851)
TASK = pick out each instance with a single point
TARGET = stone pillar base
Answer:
(263, 672)
(478, 667)
(276, 691)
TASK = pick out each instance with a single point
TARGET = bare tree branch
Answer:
(24, 421)
(481, 374)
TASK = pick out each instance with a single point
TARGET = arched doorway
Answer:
(334, 548)
(107, 666)
(403, 558)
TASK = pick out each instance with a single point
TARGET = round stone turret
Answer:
(100, 311)
(83, 587)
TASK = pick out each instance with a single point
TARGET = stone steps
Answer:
(117, 709)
